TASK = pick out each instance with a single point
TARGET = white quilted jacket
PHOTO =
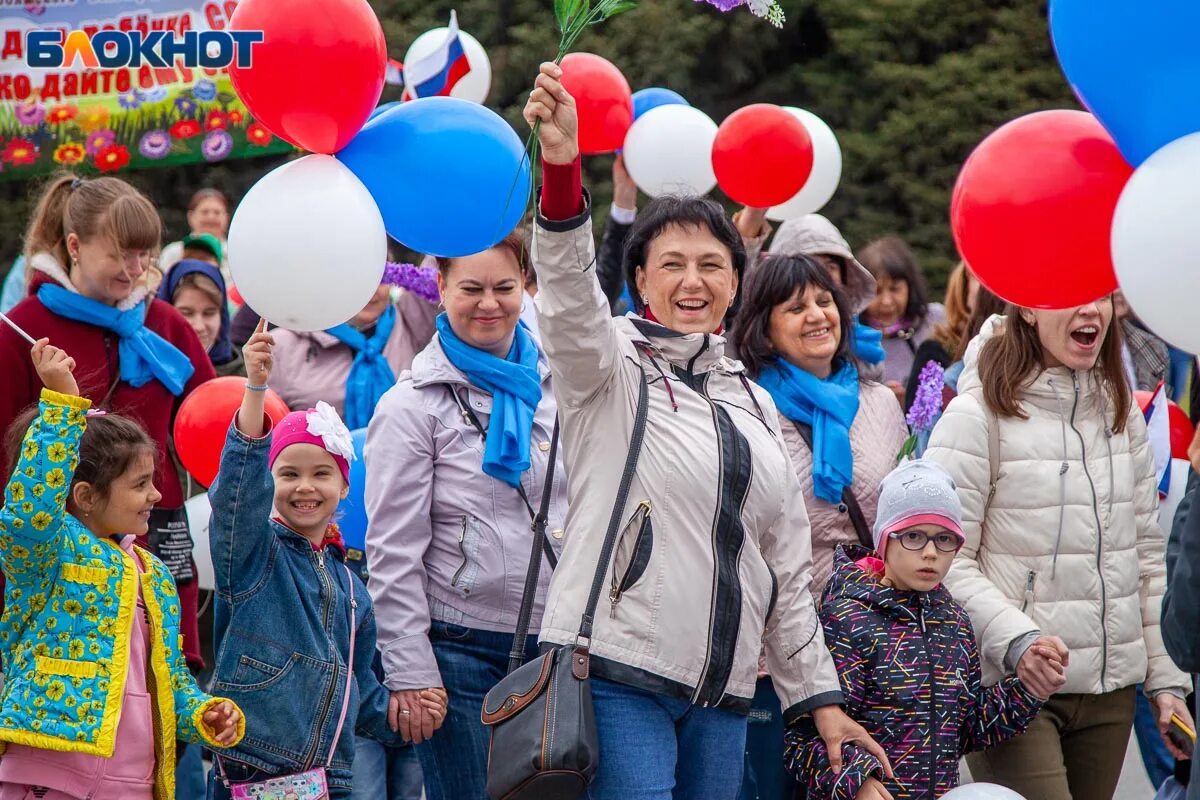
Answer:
(1070, 544)
(876, 437)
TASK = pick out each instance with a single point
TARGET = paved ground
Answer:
(1134, 784)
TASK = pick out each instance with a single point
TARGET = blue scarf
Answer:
(221, 351)
(370, 374)
(516, 389)
(867, 343)
(143, 353)
(829, 406)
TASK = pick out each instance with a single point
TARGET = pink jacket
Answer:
(876, 437)
(313, 366)
(129, 774)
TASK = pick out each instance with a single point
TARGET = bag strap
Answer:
(349, 668)
(470, 417)
(580, 660)
(516, 656)
(857, 518)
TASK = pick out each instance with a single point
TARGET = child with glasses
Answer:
(906, 655)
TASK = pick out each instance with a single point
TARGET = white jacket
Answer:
(715, 540)
(1069, 544)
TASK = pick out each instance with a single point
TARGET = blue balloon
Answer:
(1134, 65)
(351, 515)
(450, 177)
(646, 99)
(380, 109)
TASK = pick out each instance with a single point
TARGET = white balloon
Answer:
(199, 513)
(826, 171)
(308, 245)
(981, 791)
(1181, 469)
(1155, 240)
(473, 86)
(669, 151)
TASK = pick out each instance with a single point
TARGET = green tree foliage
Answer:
(910, 86)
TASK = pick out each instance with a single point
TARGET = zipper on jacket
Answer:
(1099, 536)
(1029, 583)
(618, 581)
(462, 549)
(933, 718)
(327, 705)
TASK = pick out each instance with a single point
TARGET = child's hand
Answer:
(54, 367)
(222, 720)
(434, 702)
(259, 355)
(872, 790)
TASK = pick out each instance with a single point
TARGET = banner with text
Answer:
(125, 117)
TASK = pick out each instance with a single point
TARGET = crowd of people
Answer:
(699, 423)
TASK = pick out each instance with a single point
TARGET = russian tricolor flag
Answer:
(436, 74)
(1158, 432)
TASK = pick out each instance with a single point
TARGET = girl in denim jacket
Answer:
(97, 688)
(285, 597)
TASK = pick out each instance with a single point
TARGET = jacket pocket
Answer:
(465, 576)
(771, 604)
(633, 553)
(252, 674)
(79, 573)
(1030, 584)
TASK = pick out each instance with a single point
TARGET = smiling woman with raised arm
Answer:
(1060, 514)
(712, 556)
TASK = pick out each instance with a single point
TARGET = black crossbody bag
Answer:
(543, 730)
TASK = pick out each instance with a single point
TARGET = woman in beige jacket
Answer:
(1060, 511)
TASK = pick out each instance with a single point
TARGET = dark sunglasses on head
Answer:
(914, 539)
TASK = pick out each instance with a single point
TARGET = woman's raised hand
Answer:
(552, 105)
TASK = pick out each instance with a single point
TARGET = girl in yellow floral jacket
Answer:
(97, 689)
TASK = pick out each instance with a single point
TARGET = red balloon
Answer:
(603, 99)
(1182, 429)
(203, 421)
(318, 73)
(1033, 206)
(236, 296)
(762, 155)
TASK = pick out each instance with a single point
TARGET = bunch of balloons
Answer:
(784, 159)
(441, 175)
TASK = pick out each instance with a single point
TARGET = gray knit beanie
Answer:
(916, 493)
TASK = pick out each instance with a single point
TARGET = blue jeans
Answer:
(1160, 764)
(766, 778)
(385, 773)
(189, 774)
(654, 747)
(471, 662)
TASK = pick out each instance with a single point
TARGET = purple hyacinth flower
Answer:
(30, 114)
(927, 403)
(420, 281)
(723, 5)
(155, 144)
(216, 145)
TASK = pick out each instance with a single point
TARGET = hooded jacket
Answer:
(225, 358)
(910, 673)
(713, 558)
(445, 539)
(1069, 543)
(814, 235)
(97, 372)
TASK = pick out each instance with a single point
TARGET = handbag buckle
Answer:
(580, 660)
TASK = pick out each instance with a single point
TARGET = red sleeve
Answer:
(181, 335)
(562, 190)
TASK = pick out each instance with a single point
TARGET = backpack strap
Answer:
(857, 518)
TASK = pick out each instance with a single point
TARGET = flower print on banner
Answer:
(155, 94)
(30, 114)
(217, 145)
(112, 158)
(93, 118)
(204, 90)
(185, 129)
(257, 134)
(130, 100)
(235, 117)
(19, 152)
(98, 140)
(155, 144)
(68, 155)
(216, 120)
(57, 115)
(185, 105)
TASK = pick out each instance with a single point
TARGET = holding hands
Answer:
(416, 713)
(54, 367)
(222, 719)
(1043, 667)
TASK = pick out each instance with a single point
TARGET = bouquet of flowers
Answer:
(926, 408)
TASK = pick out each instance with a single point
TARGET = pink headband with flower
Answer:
(320, 426)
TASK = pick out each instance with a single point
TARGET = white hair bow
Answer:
(325, 423)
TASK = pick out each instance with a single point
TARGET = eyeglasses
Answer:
(916, 540)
